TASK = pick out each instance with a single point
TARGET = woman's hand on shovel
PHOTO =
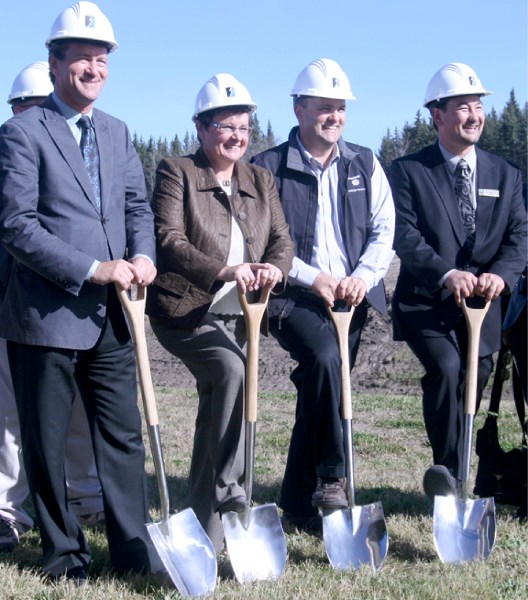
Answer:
(251, 276)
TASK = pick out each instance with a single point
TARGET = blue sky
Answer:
(389, 50)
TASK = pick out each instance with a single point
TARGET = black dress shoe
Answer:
(77, 575)
(236, 504)
(438, 481)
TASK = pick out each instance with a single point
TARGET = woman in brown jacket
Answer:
(219, 226)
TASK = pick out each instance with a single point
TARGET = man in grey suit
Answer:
(460, 232)
(75, 227)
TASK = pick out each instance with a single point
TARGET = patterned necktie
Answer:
(464, 196)
(90, 153)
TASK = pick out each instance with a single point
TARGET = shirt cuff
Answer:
(442, 280)
(366, 275)
(90, 273)
(302, 274)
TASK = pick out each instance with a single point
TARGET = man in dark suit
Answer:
(75, 227)
(460, 232)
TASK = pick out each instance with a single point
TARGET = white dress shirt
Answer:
(330, 254)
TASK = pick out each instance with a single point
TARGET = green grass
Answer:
(391, 455)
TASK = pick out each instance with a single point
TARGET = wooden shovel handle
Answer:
(341, 321)
(253, 314)
(135, 311)
(474, 319)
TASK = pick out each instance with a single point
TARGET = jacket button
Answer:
(250, 239)
(242, 216)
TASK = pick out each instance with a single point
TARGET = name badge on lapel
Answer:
(489, 193)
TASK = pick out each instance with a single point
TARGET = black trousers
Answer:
(316, 445)
(443, 386)
(44, 382)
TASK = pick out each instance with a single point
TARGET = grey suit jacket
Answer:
(430, 240)
(50, 224)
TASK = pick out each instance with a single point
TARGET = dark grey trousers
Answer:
(212, 352)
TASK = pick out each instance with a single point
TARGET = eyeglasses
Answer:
(231, 129)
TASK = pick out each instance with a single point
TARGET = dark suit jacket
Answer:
(430, 241)
(51, 226)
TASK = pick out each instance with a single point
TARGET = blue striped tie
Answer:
(90, 153)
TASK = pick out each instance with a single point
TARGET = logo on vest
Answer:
(353, 184)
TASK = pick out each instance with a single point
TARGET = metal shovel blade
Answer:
(180, 540)
(255, 543)
(254, 539)
(464, 530)
(187, 556)
(356, 536)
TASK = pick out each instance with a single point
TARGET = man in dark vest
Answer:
(339, 208)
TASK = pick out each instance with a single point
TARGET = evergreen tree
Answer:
(421, 134)
(258, 142)
(388, 150)
(512, 133)
(176, 147)
(270, 136)
(186, 143)
(490, 135)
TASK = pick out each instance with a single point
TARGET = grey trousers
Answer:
(213, 354)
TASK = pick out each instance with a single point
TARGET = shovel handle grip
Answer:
(341, 321)
(135, 311)
(474, 319)
(253, 314)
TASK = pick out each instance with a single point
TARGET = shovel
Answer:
(254, 538)
(182, 544)
(356, 535)
(464, 529)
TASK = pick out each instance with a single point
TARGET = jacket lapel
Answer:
(439, 175)
(487, 179)
(61, 135)
(245, 183)
(106, 156)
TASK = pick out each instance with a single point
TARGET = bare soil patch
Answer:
(382, 365)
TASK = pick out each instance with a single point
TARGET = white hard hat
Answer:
(32, 82)
(323, 78)
(453, 79)
(222, 90)
(83, 21)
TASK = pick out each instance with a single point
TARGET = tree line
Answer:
(504, 134)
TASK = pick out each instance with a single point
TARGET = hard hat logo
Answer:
(230, 92)
(89, 22)
(472, 81)
(336, 82)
